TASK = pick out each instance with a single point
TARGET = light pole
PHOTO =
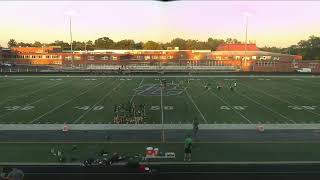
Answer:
(70, 27)
(246, 15)
(71, 13)
(245, 45)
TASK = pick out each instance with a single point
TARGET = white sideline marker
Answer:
(205, 120)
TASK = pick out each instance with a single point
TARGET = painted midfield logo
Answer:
(154, 90)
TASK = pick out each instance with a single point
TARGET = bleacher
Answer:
(139, 68)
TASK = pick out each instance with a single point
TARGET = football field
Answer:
(33, 110)
(91, 99)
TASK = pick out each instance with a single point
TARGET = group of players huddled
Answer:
(232, 86)
(129, 113)
(207, 85)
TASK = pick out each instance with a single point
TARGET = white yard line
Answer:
(195, 105)
(100, 100)
(266, 107)
(57, 107)
(237, 112)
(178, 162)
(135, 92)
(58, 126)
(224, 76)
(293, 93)
(162, 118)
(315, 84)
(147, 89)
(279, 99)
(28, 104)
(29, 93)
(299, 88)
(11, 83)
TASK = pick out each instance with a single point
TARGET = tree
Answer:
(232, 41)
(125, 44)
(89, 45)
(78, 45)
(309, 49)
(214, 43)
(37, 44)
(138, 45)
(62, 44)
(151, 45)
(22, 44)
(179, 42)
(271, 49)
(12, 43)
(104, 43)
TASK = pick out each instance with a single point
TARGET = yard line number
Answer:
(95, 108)
(240, 108)
(19, 108)
(157, 108)
(302, 107)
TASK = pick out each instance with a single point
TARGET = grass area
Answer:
(256, 99)
(202, 152)
(91, 100)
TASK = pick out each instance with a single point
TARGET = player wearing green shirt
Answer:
(187, 148)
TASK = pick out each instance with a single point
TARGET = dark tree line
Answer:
(309, 49)
(107, 43)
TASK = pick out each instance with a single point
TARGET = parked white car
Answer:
(304, 70)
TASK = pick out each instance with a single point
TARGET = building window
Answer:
(246, 58)
(104, 58)
(276, 58)
(225, 58)
(312, 65)
(237, 57)
(77, 58)
(263, 58)
(139, 57)
(114, 57)
(169, 57)
(68, 58)
(57, 62)
(146, 57)
(90, 58)
(254, 57)
(48, 57)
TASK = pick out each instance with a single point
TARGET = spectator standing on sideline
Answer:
(187, 148)
(15, 174)
(2, 174)
(195, 127)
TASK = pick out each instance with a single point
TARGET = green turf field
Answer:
(91, 100)
(202, 152)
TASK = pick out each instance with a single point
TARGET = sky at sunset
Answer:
(271, 23)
